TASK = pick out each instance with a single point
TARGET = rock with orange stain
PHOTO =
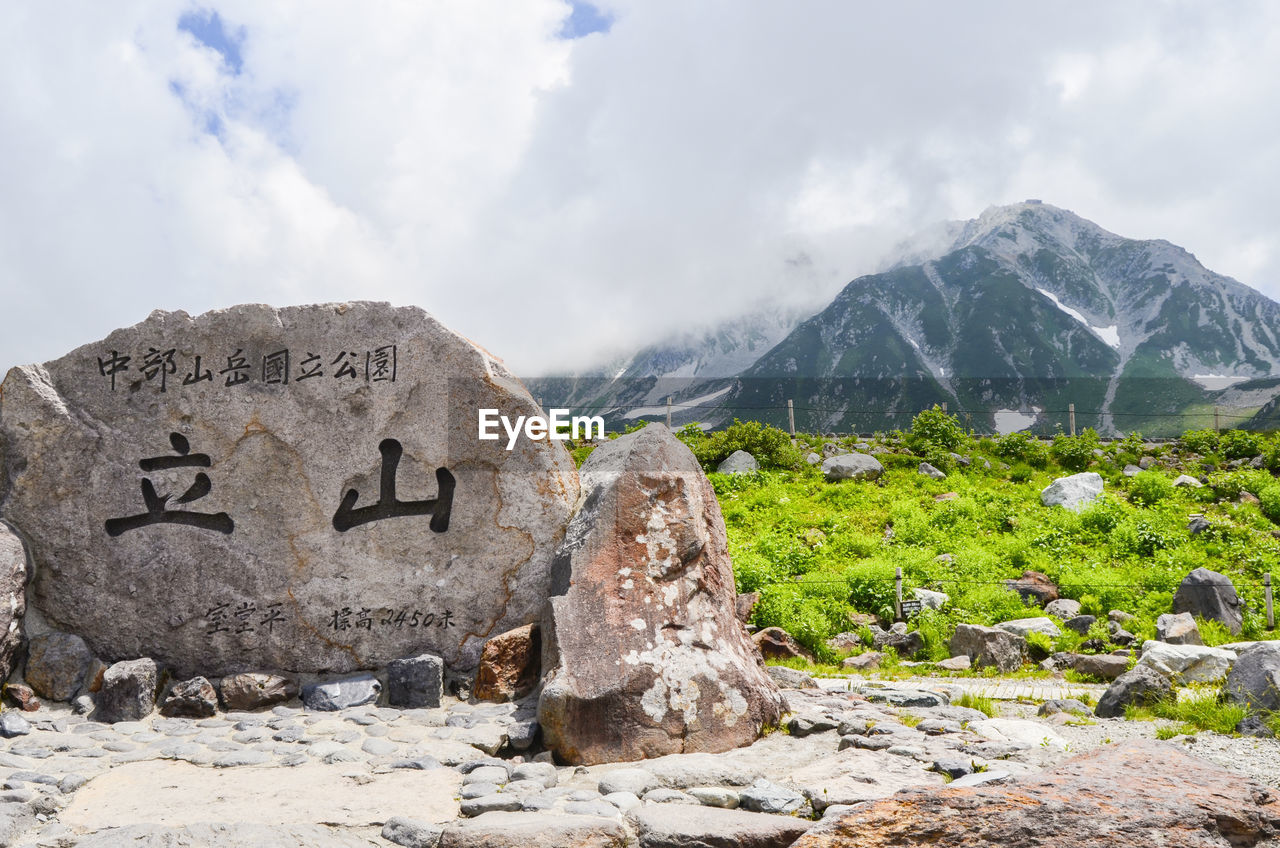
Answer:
(510, 665)
(645, 653)
(1135, 794)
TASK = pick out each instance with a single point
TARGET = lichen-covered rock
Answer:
(644, 652)
(510, 665)
(57, 664)
(1139, 794)
(1210, 595)
(256, 690)
(300, 489)
(128, 691)
(13, 594)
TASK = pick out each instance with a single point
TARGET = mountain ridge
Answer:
(1026, 306)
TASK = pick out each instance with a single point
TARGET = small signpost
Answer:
(910, 609)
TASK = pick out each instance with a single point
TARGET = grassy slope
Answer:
(817, 551)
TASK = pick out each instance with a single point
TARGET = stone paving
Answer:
(71, 781)
(1000, 689)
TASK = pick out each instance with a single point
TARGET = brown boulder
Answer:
(1034, 586)
(745, 604)
(254, 690)
(1135, 794)
(22, 697)
(644, 652)
(775, 643)
(510, 665)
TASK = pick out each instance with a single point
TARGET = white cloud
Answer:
(553, 198)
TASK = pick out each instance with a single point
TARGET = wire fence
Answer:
(1201, 592)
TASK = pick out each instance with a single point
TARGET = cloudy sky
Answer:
(558, 181)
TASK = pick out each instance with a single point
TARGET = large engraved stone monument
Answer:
(297, 488)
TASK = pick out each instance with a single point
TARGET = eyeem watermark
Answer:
(559, 426)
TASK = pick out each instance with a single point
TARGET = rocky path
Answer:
(450, 776)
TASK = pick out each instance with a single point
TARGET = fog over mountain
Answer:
(1009, 317)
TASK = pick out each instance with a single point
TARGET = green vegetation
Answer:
(818, 552)
(1208, 712)
(981, 703)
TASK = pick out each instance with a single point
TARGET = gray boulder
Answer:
(790, 678)
(13, 597)
(249, 489)
(1188, 481)
(517, 829)
(57, 664)
(128, 691)
(1063, 608)
(1132, 470)
(1254, 680)
(415, 682)
(411, 833)
(12, 724)
(851, 466)
(931, 599)
(738, 462)
(989, 646)
(1186, 663)
(1139, 686)
(1210, 595)
(194, 698)
(337, 695)
(644, 575)
(929, 471)
(684, 826)
(1026, 626)
(1080, 624)
(1101, 666)
(1178, 629)
(812, 458)
(1074, 492)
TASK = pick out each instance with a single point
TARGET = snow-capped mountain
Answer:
(1027, 308)
(694, 368)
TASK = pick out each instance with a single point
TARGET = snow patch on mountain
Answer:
(1213, 382)
(683, 405)
(1011, 420)
(1110, 335)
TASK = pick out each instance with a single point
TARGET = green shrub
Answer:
(1102, 515)
(1270, 502)
(1074, 453)
(870, 586)
(1238, 444)
(1021, 473)
(937, 428)
(1199, 441)
(770, 446)
(1149, 488)
(1022, 447)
